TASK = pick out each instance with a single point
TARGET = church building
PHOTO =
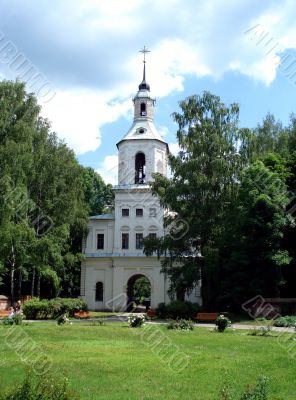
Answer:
(114, 257)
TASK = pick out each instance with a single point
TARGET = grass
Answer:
(102, 314)
(116, 362)
(254, 322)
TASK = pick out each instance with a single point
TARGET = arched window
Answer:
(99, 291)
(143, 109)
(140, 167)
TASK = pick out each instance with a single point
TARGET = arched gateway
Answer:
(139, 292)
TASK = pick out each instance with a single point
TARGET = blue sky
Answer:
(86, 54)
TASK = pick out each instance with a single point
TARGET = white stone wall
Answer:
(149, 107)
(114, 273)
(133, 199)
(105, 227)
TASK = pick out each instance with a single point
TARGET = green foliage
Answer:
(257, 392)
(36, 309)
(180, 325)
(60, 306)
(269, 137)
(45, 196)
(142, 288)
(261, 331)
(204, 182)
(7, 321)
(97, 194)
(178, 309)
(2, 272)
(51, 309)
(253, 249)
(222, 323)
(161, 310)
(16, 319)
(47, 386)
(229, 208)
(287, 321)
(50, 278)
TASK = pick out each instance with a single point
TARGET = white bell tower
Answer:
(142, 151)
(114, 246)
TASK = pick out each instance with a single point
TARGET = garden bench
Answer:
(82, 314)
(206, 316)
(151, 313)
(4, 313)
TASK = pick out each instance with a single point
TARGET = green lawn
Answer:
(116, 362)
(102, 314)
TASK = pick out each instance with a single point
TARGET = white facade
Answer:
(113, 247)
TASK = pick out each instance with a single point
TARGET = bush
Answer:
(63, 319)
(51, 309)
(36, 309)
(222, 323)
(136, 320)
(161, 310)
(7, 321)
(288, 321)
(61, 306)
(257, 392)
(41, 387)
(178, 309)
(18, 318)
(261, 331)
(180, 325)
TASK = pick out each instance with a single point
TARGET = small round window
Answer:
(141, 130)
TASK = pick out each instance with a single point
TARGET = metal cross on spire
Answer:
(144, 85)
(144, 51)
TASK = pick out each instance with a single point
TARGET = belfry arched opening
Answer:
(140, 168)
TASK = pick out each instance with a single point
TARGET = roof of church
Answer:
(142, 129)
(102, 216)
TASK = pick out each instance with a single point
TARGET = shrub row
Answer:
(52, 309)
(178, 309)
(288, 321)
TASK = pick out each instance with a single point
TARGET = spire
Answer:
(144, 85)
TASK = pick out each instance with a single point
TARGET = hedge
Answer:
(287, 321)
(178, 309)
(52, 309)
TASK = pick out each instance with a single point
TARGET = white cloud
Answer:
(89, 51)
(78, 115)
(163, 130)
(174, 148)
(108, 169)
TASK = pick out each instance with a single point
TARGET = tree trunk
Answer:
(33, 281)
(38, 284)
(19, 287)
(12, 276)
(12, 284)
